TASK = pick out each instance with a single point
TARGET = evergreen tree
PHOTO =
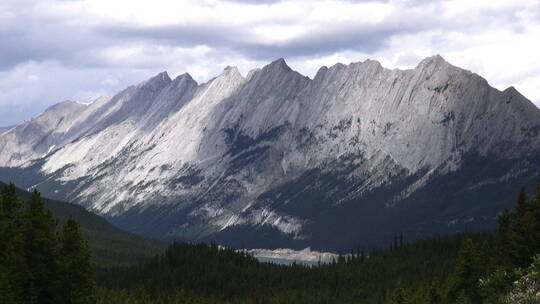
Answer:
(4, 239)
(7, 295)
(9, 219)
(11, 203)
(519, 233)
(399, 295)
(6, 290)
(521, 207)
(463, 283)
(76, 270)
(504, 236)
(433, 296)
(40, 252)
(537, 195)
(29, 248)
(13, 268)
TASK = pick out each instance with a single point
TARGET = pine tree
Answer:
(504, 232)
(6, 290)
(522, 239)
(4, 238)
(76, 270)
(400, 295)
(519, 233)
(7, 294)
(13, 268)
(537, 195)
(11, 204)
(40, 252)
(433, 296)
(468, 270)
(521, 207)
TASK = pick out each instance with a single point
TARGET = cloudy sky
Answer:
(78, 50)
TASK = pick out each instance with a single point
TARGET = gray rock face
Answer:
(275, 151)
(6, 128)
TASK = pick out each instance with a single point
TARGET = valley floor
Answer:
(488, 268)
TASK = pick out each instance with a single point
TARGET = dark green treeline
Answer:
(40, 262)
(40, 265)
(504, 271)
(466, 268)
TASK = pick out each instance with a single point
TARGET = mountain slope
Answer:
(109, 245)
(347, 158)
(4, 129)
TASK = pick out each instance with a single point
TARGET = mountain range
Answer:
(275, 159)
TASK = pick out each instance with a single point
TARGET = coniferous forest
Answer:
(42, 261)
(39, 261)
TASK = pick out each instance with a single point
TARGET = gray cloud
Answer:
(185, 35)
(261, 2)
(31, 37)
(36, 38)
(357, 36)
(79, 52)
(255, 1)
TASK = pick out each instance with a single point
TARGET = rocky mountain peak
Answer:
(184, 78)
(435, 59)
(283, 152)
(373, 63)
(278, 65)
(231, 72)
(321, 72)
(231, 69)
(66, 104)
(511, 91)
(434, 64)
(157, 82)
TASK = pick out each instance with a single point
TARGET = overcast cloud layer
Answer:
(78, 50)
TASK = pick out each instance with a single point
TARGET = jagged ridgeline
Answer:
(108, 244)
(276, 159)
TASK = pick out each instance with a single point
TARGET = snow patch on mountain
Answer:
(305, 255)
